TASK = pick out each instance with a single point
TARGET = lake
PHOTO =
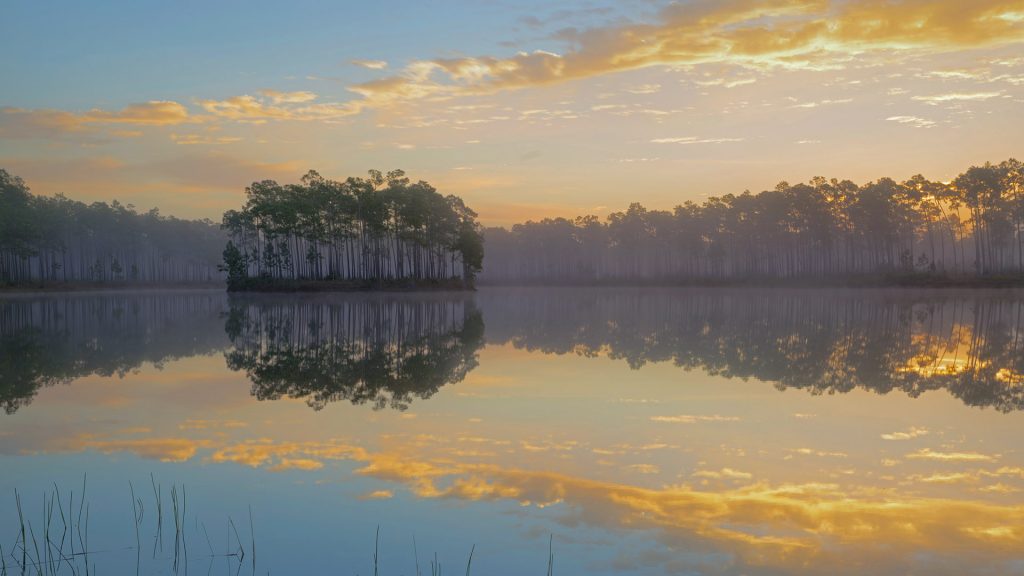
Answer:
(563, 431)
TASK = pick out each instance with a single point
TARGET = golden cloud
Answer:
(278, 97)
(777, 33)
(807, 527)
(278, 106)
(163, 449)
(26, 123)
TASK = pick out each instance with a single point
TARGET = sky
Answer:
(525, 109)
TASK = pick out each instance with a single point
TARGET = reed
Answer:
(416, 555)
(376, 550)
(135, 522)
(551, 555)
(469, 563)
(252, 536)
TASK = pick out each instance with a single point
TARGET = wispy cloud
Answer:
(278, 106)
(928, 454)
(370, 64)
(957, 97)
(910, 434)
(914, 121)
(694, 140)
(29, 122)
(278, 97)
(694, 419)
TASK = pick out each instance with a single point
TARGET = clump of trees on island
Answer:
(54, 239)
(970, 227)
(383, 230)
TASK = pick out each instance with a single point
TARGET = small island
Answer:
(382, 232)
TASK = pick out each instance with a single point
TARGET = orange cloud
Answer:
(26, 123)
(278, 106)
(777, 33)
(163, 449)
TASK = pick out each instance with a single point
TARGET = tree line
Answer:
(55, 239)
(379, 229)
(972, 226)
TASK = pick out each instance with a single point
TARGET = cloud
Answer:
(805, 528)
(370, 64)
(913, 432)
(286, 455)
(928, 454)
(194, 139)
(691, 419)
(822, 103)
(378, 495)
(726, 83)
(694, 140)
(163, 449)
(288, 97)
(724, 473)
(278, 106)
(304, 464)
(913, 121)
(811, 34)
(644, 89)
(644, 468)
(957, 97)
(28, 123)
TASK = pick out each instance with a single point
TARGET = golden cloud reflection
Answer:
(793, 526)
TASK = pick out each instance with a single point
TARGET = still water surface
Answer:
(649, 431)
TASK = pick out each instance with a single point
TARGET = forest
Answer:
(376, 231)
(970, 227)
(58, 240)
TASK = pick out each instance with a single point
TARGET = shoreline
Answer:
(303, 286)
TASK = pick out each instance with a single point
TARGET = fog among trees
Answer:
(55, 239)
(386, 229)
(972, 226)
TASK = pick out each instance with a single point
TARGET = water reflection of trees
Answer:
(51, 340)
(383, 351)
(971, 344)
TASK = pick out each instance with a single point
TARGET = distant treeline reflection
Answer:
(48, 340)
(388, 350)
(971, 344)
(366, 350)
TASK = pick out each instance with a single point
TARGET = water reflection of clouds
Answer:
(798, 526)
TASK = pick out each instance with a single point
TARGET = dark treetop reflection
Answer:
(388, 350)
(382, 351)
(47, 340)
(970, 343)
